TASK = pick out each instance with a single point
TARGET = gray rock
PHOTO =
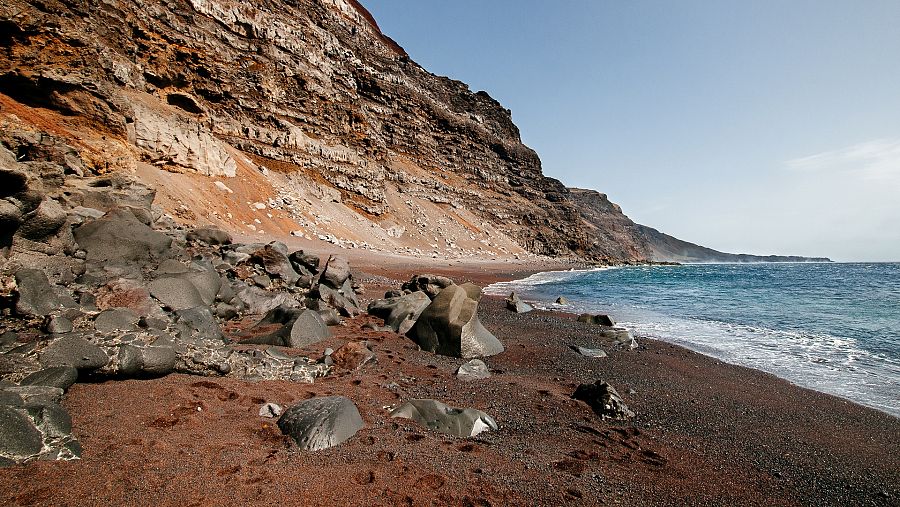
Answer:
(320, 423)
(599, 319)
(562, 300)
(207, 282)
(276, 263)
(61, 377)
(120, 237)
(270, 410)
(450, 326)
(259, 301)
(43, 222)
(429, 284)
(301, 328)
(176, 293)
(400, 313)
(344, 300)
(330, 316)
(437, 416)
(305, 264)
(603, 400)
(514, 303)
(36, 395)
(116, 319)
(473, 370)
(19, 439)
(336, 272)
(198, 322)
(595, 353)
(57, 324)
(35, 295)
(73, 350)
(209, 235)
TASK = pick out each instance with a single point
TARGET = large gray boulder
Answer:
(299, 328)
(322, 296)
(120, 237)
(35, 294)
(450, 326)
(320, 423)
(73, 350)
(437, 416)
(400, 313)
(61, 377)
(176, 293)
(335, 272)
(604, 400)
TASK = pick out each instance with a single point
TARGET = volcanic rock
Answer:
(210, 236)
(599, 319)
(61, 377)
(35, 295)
(604, 400)
(514, 303)
(120, 237)
(450, 326)
(473, 370)
(320, 423)
(353, 355)
(437, 416)
(400, 313)
(429, 284)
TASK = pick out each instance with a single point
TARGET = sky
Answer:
(764, 127)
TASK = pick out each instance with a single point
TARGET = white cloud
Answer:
(876, 160)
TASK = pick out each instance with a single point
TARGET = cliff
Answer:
(289, 117)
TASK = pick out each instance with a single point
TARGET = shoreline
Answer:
(706, 432)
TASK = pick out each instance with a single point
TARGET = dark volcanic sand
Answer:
(706, 433)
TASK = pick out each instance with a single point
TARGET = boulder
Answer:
(320, 423)
(43, 221)
(437, 416)
(599, 319)
(400, 313)
(198, 322)
(61, 377)
(120, 237)
(116, 319)
(335, 272)
(343, 300)
(276, 263)
(176, 293)
(19, 439)
(450, 326)
(514, 303)
(305, 264)
(353, 355)
(473, 370)
(429, 284)
(603, 400)
(58, 324)
(73, 350)
(35, 294)
(300, 328)
(209, 235)
(562, 300)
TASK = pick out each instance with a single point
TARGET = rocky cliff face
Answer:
(308, 88)
(289, 117)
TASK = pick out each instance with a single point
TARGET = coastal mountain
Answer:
(294, 117)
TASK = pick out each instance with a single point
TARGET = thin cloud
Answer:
(876, 160)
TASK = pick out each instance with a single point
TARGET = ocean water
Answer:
(832, 327)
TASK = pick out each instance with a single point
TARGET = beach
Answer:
(705, 432)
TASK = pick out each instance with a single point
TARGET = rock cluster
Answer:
(95, 282)
(440, 316)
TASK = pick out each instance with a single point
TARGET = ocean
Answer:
(832, 327)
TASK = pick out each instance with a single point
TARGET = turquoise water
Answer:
(832, 327)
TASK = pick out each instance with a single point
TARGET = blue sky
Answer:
(747, 126)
